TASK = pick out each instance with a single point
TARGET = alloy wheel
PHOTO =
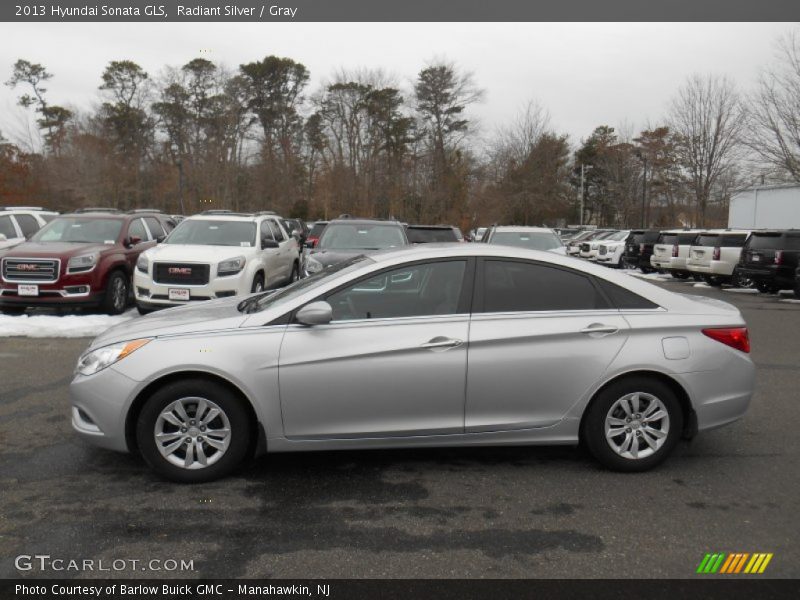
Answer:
(119, 293)
(637, 425)
(192, 433)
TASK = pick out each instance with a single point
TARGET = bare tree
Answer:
(706, 118)
(513, 142)
(774, 115)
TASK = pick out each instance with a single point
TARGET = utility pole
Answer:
(584, 168)
(644, 190)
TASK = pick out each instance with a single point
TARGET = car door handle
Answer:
(599, 328)
(441, 342)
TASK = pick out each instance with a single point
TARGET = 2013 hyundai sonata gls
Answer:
(461, 344)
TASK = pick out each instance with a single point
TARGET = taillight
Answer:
(736, 337)
(779, 257)
(716, 254)
(675, 251)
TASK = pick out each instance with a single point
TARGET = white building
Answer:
(766, 207)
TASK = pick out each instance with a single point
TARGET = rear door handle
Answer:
(599, 328)
(441, 343)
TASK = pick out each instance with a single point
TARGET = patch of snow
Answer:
(57, 326)
(790, 300)
(702, 284)
(785, 292)
(657, 276)
(741, 290)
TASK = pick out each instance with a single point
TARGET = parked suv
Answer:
(590, 250)
(81, 259)
(533, 238)
(770, 259)
(216, 255)
(426, 234)
(639, 249)
(715, 254)
(667, 251)
(346, 238)
(18, 223)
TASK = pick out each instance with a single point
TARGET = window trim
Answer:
(479, 289)
(464, 308)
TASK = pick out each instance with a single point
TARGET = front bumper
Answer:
(152, 295)
(100, 403)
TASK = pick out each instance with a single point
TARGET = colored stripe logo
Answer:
(734, 562)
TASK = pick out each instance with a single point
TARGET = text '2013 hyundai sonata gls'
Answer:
(436, 345)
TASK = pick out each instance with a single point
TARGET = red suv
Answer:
(81, 259)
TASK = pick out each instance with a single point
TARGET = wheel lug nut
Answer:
(627, 429)
(183, 429)
(187, 440)
(202, 429)
(200, 438)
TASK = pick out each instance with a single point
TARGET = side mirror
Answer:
(316, 313)
(133, 240)
(160, 239)
(297, 234)
(269, 244)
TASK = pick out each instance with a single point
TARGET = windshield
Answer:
(205, 232)
(80, 230)
(617, 236)
(535, 240)
(369, 236)
(423, 235)
(270, 299)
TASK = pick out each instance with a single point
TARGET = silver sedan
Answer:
(436, 345)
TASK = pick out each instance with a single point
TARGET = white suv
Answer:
(715, 254)
(672, 249)
(18, 223)
(215, 255)
(610, 250)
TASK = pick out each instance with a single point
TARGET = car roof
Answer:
(364, 222)
(231, 217)
(522, 229)
(431, 226)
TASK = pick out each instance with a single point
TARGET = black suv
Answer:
(639, 249)
(770, 259)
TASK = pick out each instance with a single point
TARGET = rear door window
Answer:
(686, 238)
(707, 239)
(154, 226)
(517, 286)
(276, 231)
(7, 227)
(734, 240)
(668, 238)
(624, 299)
(136, 229)
(27, 224)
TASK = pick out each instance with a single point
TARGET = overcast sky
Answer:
(584, 74)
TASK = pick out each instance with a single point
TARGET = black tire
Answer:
(766, 287)
(712, 280)
(12, 310)
(116, 299)
(233, 408)
(593, 427)
(797, 289)
(680, 274)
(143, 311)
(295, 274)
(697, 277)
(741, 281)
(258, 283)
(646, 269)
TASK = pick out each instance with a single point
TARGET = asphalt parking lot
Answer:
(502, 512)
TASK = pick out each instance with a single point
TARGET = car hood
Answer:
(54, 249)
(195, 253)
(212, 315)
(332, 257)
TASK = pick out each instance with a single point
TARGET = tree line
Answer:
(201, 136)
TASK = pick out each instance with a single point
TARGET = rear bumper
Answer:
(661, 262)
(715, 267)
(783, 278)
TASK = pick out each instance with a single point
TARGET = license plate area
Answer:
(755, 258)
(180, 294)
(27, 290)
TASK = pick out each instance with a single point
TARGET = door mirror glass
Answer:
(134, 239)
(316, 313)
(267, 243)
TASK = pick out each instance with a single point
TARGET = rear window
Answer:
(707, 239)
(686, 238)
(317, 229)
(651, 237)
(766, 241)
(734, 241)
(421, 235)
(668, 238)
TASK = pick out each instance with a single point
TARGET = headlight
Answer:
(231, 266)
(97, 360)
(85, 262)
(143, 264)
(313, 265)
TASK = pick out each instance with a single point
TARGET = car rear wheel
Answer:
(116, 300)
(193, 431)
(742, 281)
(766, 287)
(712, 280)
(633, 424)
(679, 274)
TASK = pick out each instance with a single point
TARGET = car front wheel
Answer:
(116, 300)
(193, 431)
(633, 424)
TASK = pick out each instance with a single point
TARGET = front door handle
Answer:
(599, 328)
(441, 343)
